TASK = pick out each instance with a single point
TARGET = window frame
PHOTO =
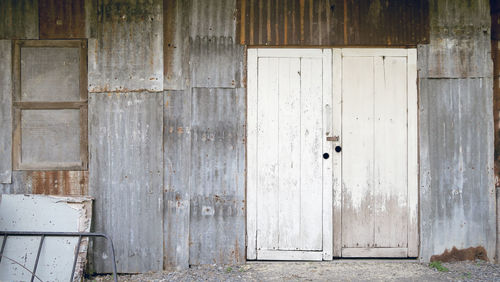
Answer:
(18, 105)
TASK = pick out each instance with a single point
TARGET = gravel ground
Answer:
(342, 270)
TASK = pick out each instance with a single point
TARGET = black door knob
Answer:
(338, 149)
(326, 156)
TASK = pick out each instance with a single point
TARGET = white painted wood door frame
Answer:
(412, 153)
(333, 126)
(252, 124)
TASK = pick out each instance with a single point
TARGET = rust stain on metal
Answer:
(242, 21)
(455, 254)
(268, 22)
(345, 23)
(60, 19)
(334, 22)
(301, 20)
(285, 26)
(61, 183)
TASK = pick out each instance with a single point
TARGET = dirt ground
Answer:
(341, 270)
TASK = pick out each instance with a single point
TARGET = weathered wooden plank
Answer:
(177, 163)
(267, 154)
(19, 19)
(126, 177)
(328, 147)
(337, 157)
(251, 156)
(457, 196)
(127, 54)
(413, 146)
(311, 161)
(375, 252)
(357, 152)
(5, 111)
(216, 62)
(217, 209)
(288, 140)
(289, 255)
(62, 19)
(390, 179)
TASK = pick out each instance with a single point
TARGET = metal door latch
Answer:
(332, 138)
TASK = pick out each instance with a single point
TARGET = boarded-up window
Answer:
(50, 105)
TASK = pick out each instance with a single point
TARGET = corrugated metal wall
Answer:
(333, 22)
(457, 193)
(203, 134)
(5, 111)
(167, 114)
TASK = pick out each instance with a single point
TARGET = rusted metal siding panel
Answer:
(297, 22)
(460, 40)
(126, 178)
(5, 111)
(386, 23)
(216, 62)
(176, 17)
(62, 19)
(177, 160)
(217, 208)
(19, 19)
(60, 183)
(457, 191)
(333, 22)
(128, 52)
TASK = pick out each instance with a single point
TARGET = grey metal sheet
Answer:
(50, 136)
(21, 184)
(216, 62)
(217, 178)
(5, 111)
(50, 74)
(19, 19)
(126, 178)
(213, 18)
(128, 52)
(457, 193)
(459, 40)
(177, 162)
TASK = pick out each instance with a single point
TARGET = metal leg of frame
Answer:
(61, 234)
(77, 250)
(37, 257)
(3, 246)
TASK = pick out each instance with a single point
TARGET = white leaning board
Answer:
(43, 213)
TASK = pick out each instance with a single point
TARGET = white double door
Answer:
(331, 154)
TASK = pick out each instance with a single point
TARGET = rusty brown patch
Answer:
(455, 254)
(60, 183)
